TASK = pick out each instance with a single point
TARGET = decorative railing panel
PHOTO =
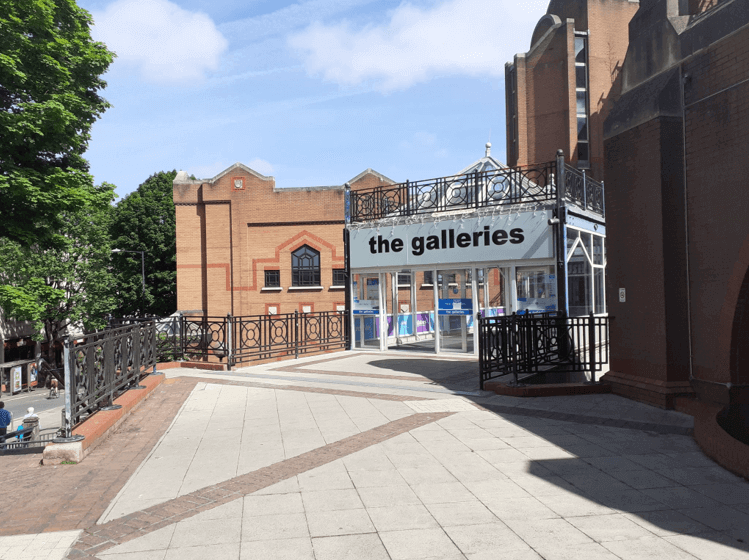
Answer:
(584, 191)
(521, 345)
(102, 366)
(494, 187)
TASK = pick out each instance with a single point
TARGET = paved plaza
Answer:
(378, 456)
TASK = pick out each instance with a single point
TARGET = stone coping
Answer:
(95, 428)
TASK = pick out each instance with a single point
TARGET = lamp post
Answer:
(142, 274)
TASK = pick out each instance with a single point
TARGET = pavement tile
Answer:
(485, 537)
(157, 540)
(654, 548)
(281, 549)
(418, 544)
(643, 478)
(726, 493)
(401, 517)
(439, 493)
(272, 504)
(198, 532)
(347, 547)
(604, 528)
(381, 496)
(461, 513)
(711, 546)
(274, 527)
(585, 551)
(339, 522)
(547, 533)
(667, 522)
(330, 500)
(519, 508)
(226, 550)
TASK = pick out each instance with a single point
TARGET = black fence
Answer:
(101, 366)
(249, 338)
(583, 191)
(520, 185)
(525, 345)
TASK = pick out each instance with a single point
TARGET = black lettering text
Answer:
(382, 244)
(417, 244)
(372, 243)
(396, 245)
(499, 237)
(517, 236)
(463, 240)
(433, 242)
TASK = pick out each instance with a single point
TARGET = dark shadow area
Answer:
(456, 375)
(662, 482)
(734, 419)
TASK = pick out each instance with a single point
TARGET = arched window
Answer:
(305, 267)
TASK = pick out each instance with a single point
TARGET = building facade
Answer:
(676, 147)
(559, 93)
(246, 247)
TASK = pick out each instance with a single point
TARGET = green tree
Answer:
(69, 284)
(50, 72)
(145, 221)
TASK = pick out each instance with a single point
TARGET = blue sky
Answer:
(311, 92)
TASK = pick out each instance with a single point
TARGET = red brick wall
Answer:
(226, 238)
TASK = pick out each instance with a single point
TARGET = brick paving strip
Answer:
(98, 538)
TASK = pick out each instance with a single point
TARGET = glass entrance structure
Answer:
(426, 259)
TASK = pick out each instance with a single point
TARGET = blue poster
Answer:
(456, 307)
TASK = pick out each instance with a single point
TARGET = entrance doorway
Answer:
(455, 310)
(366, 310)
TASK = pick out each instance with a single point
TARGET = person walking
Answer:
(6, 419)
(53, 392)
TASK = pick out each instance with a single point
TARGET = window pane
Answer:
(305, 267)
(580, 81)
(572, 235)
(581, 110)
(582, 128)
(339, 277)
(582, 151)
(427, 277)
(600, 294)
(597, 249)
(580, 49)
(272, 278)
(585, 240)
(579, 284)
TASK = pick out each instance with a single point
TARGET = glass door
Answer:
(366, 310)
(455, 311)
(536, 289)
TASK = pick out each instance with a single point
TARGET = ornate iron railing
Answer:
(102, 366)
(249, 338)
(524, 345)
(495, 187)
(261, 337)
(584, 191)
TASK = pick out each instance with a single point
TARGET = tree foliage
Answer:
(50, 72)
(70, 283)
(145, 221)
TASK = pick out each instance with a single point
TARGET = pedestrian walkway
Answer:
(369, 456)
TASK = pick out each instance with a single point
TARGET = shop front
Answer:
(418, 280)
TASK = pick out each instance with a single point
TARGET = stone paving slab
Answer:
(351, 470)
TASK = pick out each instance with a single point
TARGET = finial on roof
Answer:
(488, 149)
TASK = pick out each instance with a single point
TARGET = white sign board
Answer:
(510, 237)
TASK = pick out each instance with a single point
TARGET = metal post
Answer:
(603, 200)
(296, 334)
(229, 341)
(585, 191)
(592, 346)
(67, 412)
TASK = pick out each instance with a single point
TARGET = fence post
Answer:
(585, 191)
(592, 346)
(229, 341)
(514, 345)
(296, 334)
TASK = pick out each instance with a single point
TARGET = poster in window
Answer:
(32, 373)
(15, 379)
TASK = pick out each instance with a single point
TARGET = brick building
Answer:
(559, 93)
(676, 145)
(246, 247)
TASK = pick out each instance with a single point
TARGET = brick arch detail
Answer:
(735, 304)
(304, 237)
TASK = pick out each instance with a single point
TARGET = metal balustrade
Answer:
(525, 345)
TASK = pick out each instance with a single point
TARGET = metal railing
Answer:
(584, 191)
(496, 187)
(249, 338)
(103, 365)
(531, 184)
(524, 345)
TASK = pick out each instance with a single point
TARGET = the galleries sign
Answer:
(511, 237)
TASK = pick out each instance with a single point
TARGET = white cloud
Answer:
(167, 43)
(454, 37)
